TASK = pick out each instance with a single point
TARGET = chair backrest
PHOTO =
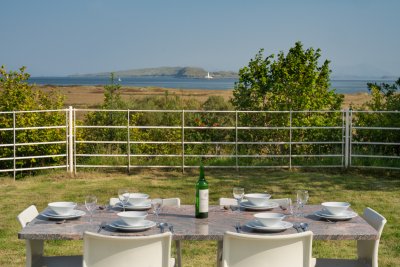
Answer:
(176, 202)
(114, 201)
(227, 201)
(243, 250)
(147, 251)
(284, 202)
(172, 202)
(368, 249)
(27, 215)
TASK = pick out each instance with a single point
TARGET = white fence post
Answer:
(183, 140)
(290, 140)
(347, 139)
(71, 141)
(15, 146)
(236, 140)
(129, 144)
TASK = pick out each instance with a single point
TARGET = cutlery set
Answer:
(163, 226)
(300, 227)
(238, 227)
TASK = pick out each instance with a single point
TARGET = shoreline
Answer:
(88, 96)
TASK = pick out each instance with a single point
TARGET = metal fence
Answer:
(22, 139)
(181, 138)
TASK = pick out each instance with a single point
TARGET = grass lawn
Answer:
(376, 189)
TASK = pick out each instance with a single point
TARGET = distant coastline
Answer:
(341, 86)
(177, 72)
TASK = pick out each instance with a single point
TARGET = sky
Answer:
(57, 38)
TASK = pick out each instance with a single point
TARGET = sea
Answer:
(340, 86)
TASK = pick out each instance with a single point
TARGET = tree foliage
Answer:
(17, 95)
(385, 97)
(289, 82)
(294, 81)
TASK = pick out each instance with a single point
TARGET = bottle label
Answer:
(203, 199)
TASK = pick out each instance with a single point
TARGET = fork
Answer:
(238, 227)
(102, 225)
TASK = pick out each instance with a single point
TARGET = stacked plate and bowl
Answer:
(258, 201)
(132, 221)
(265, 221)
(335, 211)
(62, 210)
(269, 222)
(137, 202)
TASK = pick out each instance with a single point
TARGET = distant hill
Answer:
(180, 72)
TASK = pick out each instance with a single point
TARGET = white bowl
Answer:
(258, 199)
(138, 199)
(62, 208)
(132, 218)
(335, 208)
(269, 218)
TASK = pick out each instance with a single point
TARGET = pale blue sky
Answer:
(86, 36)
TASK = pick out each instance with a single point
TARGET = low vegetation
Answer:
(378, 190)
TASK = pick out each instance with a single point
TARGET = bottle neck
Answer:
(201, 176)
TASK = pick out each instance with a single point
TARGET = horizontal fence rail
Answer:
(132, 139)
(34, 140)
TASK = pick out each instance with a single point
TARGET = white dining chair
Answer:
(122, 251)
(171, 202)
(243, 250)
(284, 202)
(175, 202)
(34, 248)
(113, 201)
(367, 250)
(226, 202)
(166, 201)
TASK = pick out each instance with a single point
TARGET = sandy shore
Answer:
(91, 96)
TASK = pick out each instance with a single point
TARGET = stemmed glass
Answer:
(302, 198)
(91, 205)
(287, 205)
(238, 193)
(156, 204)
(123, 195)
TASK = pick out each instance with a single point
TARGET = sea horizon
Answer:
(343, 86)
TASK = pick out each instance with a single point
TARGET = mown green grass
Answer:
(379, 190)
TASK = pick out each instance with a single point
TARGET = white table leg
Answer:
(178, 253)
(219, 253)
(34, 253)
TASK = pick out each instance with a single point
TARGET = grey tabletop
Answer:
(187, 227)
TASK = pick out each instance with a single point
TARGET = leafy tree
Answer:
(385, 97)
(18, 95)
(294, 81)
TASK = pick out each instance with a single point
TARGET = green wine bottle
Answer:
(202, 195)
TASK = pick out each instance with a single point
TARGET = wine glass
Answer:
(123, 195)
(156, 204)
(287, 205)
(91, 205)
(302, 198)
(238, 193)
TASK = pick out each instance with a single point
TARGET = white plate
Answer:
(120, 225)
(52, 215)
(134, 207)
(347, 215)
(270, 205)
(281, 226)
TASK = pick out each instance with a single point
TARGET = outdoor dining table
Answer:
(187, 227)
